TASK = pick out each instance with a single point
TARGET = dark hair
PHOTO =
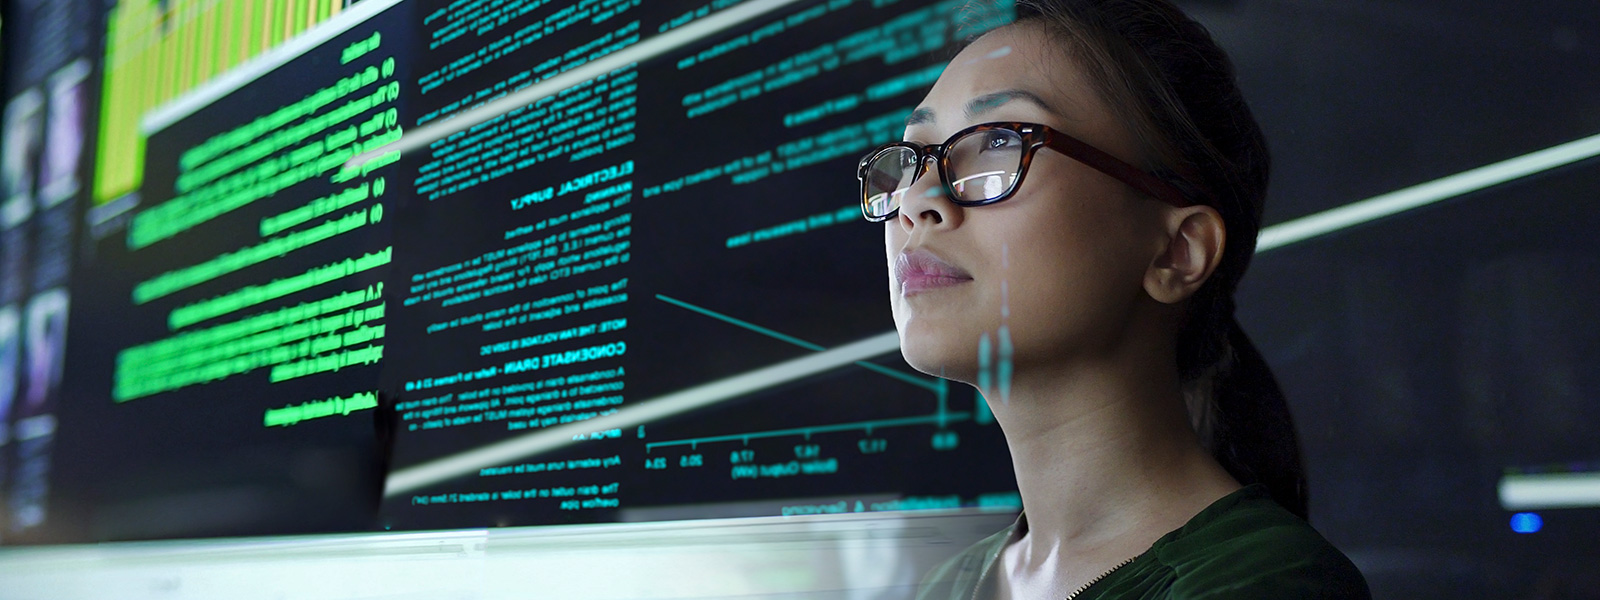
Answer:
(1174, 88)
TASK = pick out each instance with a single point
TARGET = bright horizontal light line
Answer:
(1550, 490)
(411, 478)
(637, 53)
(982, 175)
(1417, 196)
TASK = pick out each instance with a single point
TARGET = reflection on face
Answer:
(1051, 274)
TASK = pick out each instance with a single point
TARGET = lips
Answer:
(920, 271)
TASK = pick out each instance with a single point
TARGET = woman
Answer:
(1095, 192)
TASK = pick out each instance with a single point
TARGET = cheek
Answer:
(1071, 279)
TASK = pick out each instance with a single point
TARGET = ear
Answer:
(1195, 237)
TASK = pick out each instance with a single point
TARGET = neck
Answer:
(1105, 459)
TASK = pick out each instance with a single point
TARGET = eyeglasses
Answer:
(985, 164)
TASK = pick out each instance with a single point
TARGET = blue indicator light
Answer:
(1526, 522)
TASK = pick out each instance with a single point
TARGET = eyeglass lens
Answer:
(983, 165)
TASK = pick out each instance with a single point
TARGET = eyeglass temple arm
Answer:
(1115, 167)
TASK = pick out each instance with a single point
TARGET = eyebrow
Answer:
(983, 104)
(919, 117)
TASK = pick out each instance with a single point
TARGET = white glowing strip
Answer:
(1416, 196)
(469, 462)
(637, 53)
(163, 116)
(1550, 490)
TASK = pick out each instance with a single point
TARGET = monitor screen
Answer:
(644, 292)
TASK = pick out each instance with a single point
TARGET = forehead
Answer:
(1018, 57)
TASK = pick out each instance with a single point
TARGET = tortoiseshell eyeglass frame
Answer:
(1034, 136)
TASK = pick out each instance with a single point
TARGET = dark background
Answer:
(1426, 353)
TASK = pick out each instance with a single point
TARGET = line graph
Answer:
(941, 417)
(807, 432)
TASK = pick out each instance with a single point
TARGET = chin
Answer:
(938, 351)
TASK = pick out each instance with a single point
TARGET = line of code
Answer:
(280, 173)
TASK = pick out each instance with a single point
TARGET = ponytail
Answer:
(1254, 437)
(1242, 418)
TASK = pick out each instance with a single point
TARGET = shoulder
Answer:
(960, 576)
(1247, 546)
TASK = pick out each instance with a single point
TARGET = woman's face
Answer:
(1058, 268)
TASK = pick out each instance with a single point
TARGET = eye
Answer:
(997, 140)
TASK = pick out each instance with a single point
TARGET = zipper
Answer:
(985, 573)
(1108, 573)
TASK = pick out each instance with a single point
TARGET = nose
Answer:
(925, 203)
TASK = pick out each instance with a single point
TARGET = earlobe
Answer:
(1195, 237)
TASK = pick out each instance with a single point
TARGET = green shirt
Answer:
(1243, 546)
